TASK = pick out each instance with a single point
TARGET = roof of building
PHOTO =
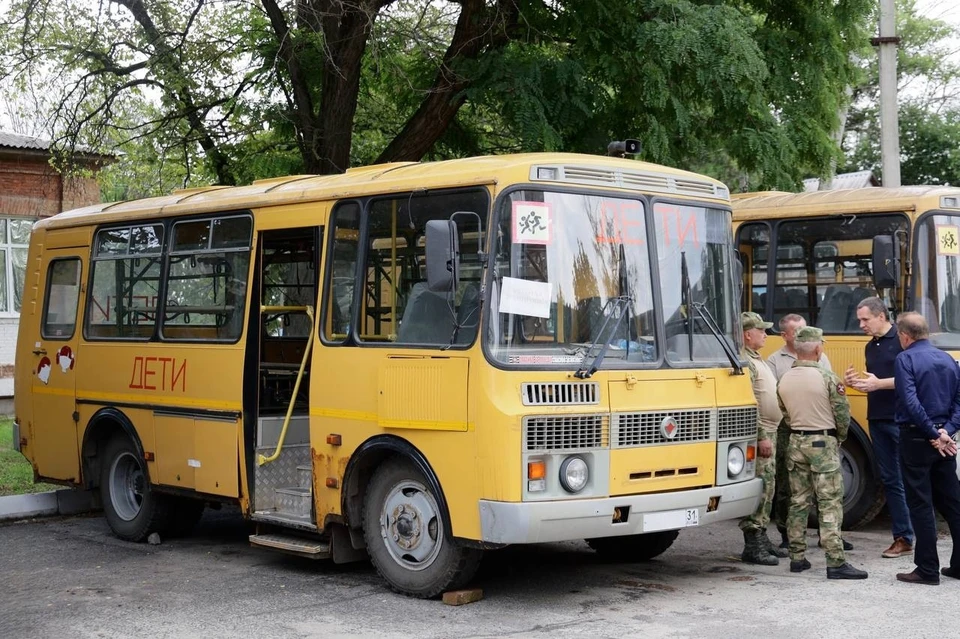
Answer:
(17, 141)
(855, 180)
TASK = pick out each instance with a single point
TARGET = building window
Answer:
(14, 241)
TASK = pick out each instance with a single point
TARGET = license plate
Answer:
(671, 519)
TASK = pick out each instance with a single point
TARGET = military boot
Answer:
(784, 541)
(769, 548)
(753, 553)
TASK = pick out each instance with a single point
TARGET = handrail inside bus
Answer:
(261, 460)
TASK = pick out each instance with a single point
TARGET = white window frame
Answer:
(7, 247)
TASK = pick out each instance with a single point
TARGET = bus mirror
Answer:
(443, 256)
(885, 263)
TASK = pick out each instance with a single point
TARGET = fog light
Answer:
(735, 461)
(574, 474)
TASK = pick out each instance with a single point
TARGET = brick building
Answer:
(30, 189)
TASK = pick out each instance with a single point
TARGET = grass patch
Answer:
(16, 475)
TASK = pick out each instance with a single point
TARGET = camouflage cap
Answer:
(809, 334)
(750, 320)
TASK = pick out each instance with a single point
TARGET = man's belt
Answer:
(830, 432)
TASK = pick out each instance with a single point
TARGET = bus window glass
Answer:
(754, 247)
(565, 264)
(207, 285)
(343, 276)
(824, 268)
(60, 299)
(397, 306)
(696, 266)
(937, 280)
(126, 282)
(289, 279)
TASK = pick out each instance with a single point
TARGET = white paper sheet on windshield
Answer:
(523, 297)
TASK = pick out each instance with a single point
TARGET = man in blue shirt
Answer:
(881, 353)
(927, 381)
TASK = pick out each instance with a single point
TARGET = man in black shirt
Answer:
(881, 354)
(928, 414)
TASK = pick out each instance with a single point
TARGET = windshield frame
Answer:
(609, 364)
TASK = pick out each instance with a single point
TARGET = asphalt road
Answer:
(70, 577)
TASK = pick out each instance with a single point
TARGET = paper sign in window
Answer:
(523, 297)
(532, 223)
(948, 240)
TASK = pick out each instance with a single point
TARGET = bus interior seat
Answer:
(427, 317)
(780, 298)
(835, 311)
(468, 314)
(796, 299)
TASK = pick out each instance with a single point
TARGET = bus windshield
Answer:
(937, 287)
(573, 273)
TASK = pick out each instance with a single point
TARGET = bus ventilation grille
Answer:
(560, 393)
(565, 432)
(644, 429)
(737, 423)
(635, 180)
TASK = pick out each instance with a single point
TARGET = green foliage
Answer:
(230, 92)
(16, 475)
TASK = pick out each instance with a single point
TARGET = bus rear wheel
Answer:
(634, 548)
(132, 509)
(404, 529)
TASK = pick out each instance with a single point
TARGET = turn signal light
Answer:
(536, 470)
(751, 452)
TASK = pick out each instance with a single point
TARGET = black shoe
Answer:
(784, 541)
(799, 566)
(846, 571)
(950, 572)
(846, 544)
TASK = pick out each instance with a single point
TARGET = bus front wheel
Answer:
(634, 548)
(132, 509)
(404, 530)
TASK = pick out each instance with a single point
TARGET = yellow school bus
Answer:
(411, 362)
(819, 254)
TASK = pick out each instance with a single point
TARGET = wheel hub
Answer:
(409, 527)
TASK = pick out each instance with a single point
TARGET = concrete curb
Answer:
(56, 502)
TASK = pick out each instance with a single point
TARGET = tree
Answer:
(258, 88)
(928, 85)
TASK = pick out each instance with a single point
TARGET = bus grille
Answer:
(737, 423)
(560, 393)
(643, 429)
(565, 432)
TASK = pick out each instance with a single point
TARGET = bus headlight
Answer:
(574, 474)
(735, 461)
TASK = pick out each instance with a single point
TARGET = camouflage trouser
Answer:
(813, 463)
(781, 500)
(767, 471)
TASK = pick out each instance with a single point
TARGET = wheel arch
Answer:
(363, 464)
(105, 424)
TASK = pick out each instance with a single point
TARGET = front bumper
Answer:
(536, 522)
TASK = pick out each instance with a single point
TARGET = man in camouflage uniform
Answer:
(816, 411)
(757, 548)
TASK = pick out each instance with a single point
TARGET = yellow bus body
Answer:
(183, 403)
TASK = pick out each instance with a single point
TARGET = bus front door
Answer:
(55, 352)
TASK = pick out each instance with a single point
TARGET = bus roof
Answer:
(747, 206)
(570, 168)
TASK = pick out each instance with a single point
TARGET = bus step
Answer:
(305, 477)
(310, 548)
(294, 500)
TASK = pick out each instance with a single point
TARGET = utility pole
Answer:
(889, 127)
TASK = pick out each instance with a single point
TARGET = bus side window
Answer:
(60, 299)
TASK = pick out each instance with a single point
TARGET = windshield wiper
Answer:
(711, 323)
(615, 303)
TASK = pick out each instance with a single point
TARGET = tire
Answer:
(634, 548)
(863, 496)
(404, 529)
(132, 508)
